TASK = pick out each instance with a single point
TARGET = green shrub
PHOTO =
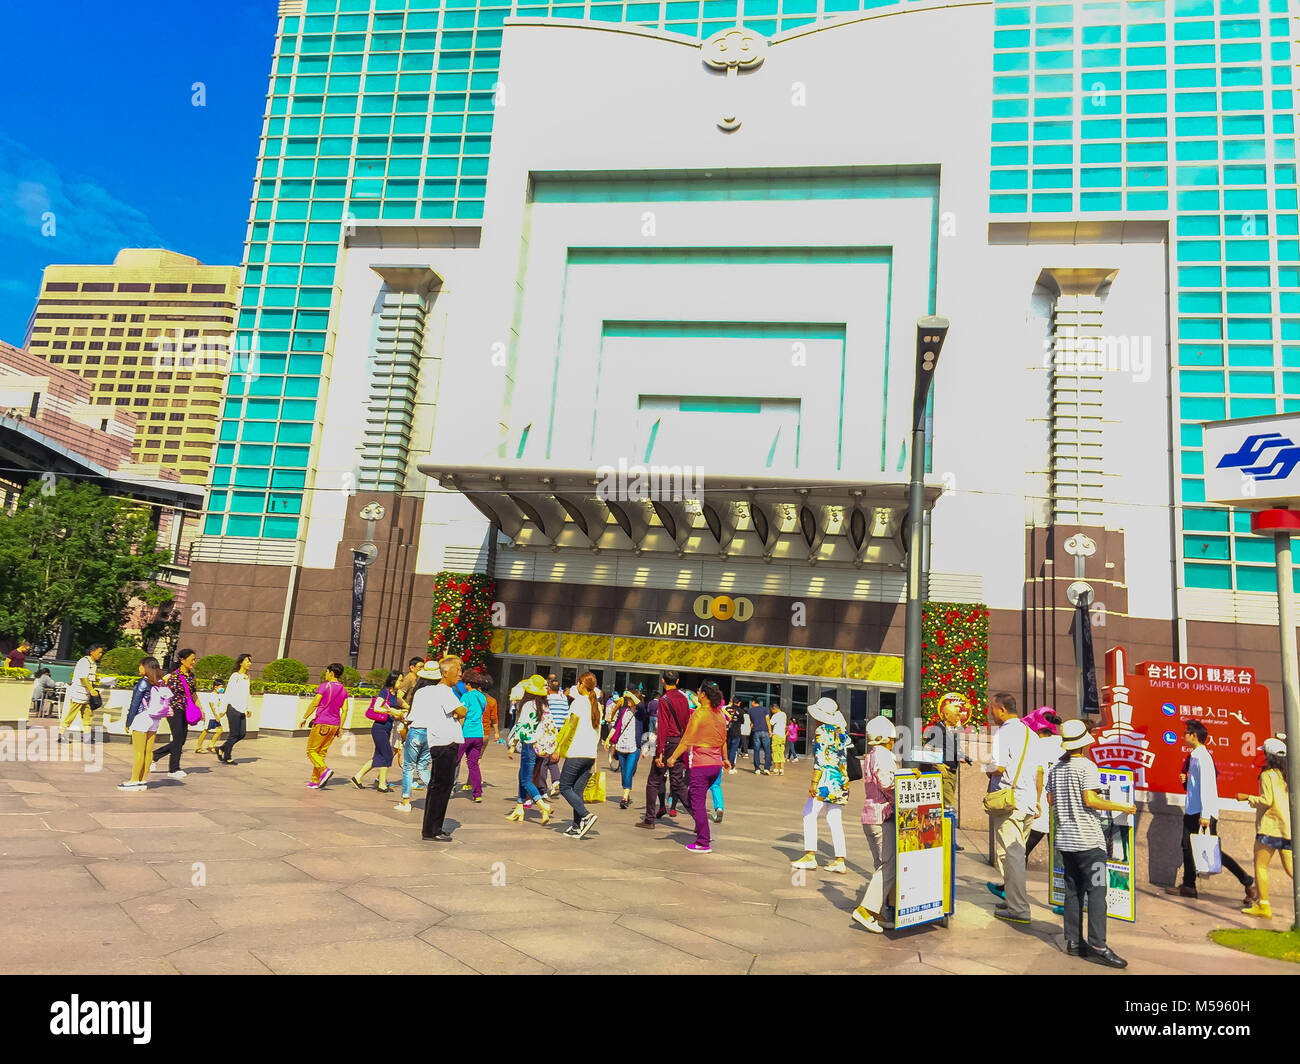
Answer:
(16, 674)
(214, 667)
(122, 661)
(351, 677)
(285, 670)
(375, 677)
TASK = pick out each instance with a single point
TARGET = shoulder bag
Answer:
(1003, 800)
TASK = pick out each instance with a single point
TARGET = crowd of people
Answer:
(435, 717)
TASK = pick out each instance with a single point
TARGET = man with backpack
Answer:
(673, 714)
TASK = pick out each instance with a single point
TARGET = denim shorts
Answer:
(1273, 842)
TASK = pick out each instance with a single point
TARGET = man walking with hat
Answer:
(1074, 789)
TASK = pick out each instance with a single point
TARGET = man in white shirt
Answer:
(437, 709)
(1013, 766)
(83, 695)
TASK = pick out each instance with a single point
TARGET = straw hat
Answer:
(1275, 747)
(429, 672)
(826, 711)
(535, 685)
(1075, 735)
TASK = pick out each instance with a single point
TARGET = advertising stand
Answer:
(1121, 851)
(923, 849)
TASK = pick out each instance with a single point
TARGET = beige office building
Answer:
(151, 332)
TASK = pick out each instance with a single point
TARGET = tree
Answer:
(75, 556)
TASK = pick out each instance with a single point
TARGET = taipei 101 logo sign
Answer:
(1119, 744)
(1148, 711)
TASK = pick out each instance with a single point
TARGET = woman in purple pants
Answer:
(475, 702)
(705, 745)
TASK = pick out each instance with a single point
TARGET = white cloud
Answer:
(89, 221)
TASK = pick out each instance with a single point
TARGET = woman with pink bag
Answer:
(384, 711)
(792, 741)
(187, 711)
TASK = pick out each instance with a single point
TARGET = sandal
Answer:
(383, 790)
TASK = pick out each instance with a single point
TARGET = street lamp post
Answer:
(931, 332)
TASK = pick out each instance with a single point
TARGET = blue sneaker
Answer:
(1059, 910)
(1001, 892)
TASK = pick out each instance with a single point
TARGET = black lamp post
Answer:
(931, 332)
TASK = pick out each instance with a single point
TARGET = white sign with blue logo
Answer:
(1254, 462)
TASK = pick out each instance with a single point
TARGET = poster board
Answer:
(1121, 848)
(920, 848)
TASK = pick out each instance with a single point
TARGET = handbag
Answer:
(594, 791)
(545, 737)
(1206, 854)
(855, 764)
(1003, 800)
(567, 734)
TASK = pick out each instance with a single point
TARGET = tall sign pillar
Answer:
(1254, 464)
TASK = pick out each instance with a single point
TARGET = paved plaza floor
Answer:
(242, 869)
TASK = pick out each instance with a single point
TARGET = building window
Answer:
(61, 286)
(36, 404)
(171, 288)
(96, 286)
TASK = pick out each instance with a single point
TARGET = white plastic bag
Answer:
(1206, 854)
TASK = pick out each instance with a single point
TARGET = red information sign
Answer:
(1149, 708)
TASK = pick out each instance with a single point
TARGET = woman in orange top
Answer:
(704, 742)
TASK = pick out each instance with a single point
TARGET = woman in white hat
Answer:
(878, 821)
(829, 789)
(1074, 788)
(1272, 822)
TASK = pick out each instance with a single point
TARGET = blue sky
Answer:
(97, 125)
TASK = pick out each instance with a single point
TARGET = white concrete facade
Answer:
(520, 333)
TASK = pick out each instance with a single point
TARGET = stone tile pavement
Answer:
(241, 869)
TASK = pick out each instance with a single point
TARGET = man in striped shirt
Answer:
(557, 702)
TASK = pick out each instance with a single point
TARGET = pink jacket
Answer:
(877, 786)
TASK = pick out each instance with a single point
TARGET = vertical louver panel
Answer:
(394, 379)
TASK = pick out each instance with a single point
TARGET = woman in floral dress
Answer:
(829, 789)
(532, 728)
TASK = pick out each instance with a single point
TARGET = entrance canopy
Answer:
(679, 510)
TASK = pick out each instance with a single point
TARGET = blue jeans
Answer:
(527, 762)
(416, 751)
(763, 746)
(715, 792)
(733, 750)
(627, 763)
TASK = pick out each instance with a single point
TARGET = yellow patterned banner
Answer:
(584, 647)
(534, 644)
(728, 657)
(879, 668)
(497, 644)
(828, 663)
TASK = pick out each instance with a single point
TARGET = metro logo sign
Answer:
(1148, 710)
(1253, 463)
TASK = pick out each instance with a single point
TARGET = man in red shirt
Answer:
(674, 712)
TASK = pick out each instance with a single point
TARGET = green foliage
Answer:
(214, 667)
(351, 677)
(121, 661)
(15, 674)
(462, 618)
(261, 687)
(70, 553)
(285, 670)
(376, 677)
(954, 656)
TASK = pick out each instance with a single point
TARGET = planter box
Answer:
(281, 714)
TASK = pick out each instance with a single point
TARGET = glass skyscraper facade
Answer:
(1178, 110)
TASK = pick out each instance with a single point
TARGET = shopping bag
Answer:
(595, 789)
(1206, 854)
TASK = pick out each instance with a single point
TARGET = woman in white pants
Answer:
(829, 789)
(878, 821)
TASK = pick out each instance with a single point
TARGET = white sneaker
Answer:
(403, 807)
(861, 916)
(179, 774)
(155, 767)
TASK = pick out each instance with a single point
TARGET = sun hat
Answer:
(516, 692)
(535, 685)
(1075, 735)
(1037, 721)
(1275, 747)
(826, 711)
(880, 730)
(957, 698)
